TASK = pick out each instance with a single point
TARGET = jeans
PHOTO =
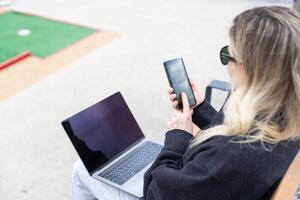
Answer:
(85, 187)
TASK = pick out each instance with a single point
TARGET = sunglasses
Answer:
(225, 56)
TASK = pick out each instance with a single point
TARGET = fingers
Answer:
(194, 85)
(191, 112)
(185, 103)
(175, 104)
(170, 91)
(172, 97)
(192, 82)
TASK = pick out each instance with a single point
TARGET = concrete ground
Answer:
(36, 157)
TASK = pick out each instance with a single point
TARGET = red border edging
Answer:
(15, 59)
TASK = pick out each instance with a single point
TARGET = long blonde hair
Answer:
(266, 40)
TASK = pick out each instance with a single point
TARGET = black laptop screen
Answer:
(102, 131)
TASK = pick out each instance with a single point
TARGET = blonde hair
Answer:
(266, 40)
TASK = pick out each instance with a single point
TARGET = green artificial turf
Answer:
(46, 36)
(6, 55)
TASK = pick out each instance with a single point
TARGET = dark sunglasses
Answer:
(225, 56)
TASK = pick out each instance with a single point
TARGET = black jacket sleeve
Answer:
(205, 115)
(168, 178)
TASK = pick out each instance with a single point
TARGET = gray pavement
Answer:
(36, 157)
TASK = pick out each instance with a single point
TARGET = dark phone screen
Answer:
(179, 80)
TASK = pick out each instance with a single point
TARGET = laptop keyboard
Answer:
(132, 163)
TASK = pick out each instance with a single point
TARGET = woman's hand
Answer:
(182, 119)
(197, 93)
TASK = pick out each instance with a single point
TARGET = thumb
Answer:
(185, 102)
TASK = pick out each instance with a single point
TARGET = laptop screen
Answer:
(102, 131)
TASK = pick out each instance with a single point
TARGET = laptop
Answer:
(111, 144)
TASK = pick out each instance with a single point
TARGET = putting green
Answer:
(5, 55)
(41, 36)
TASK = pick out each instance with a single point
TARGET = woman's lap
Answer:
(84, 187)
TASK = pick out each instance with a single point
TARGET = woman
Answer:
(244, 150)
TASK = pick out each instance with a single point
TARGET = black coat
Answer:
(217, 169)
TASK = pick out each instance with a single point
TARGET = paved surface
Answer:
(36, 158)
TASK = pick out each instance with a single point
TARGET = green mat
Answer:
(6, 55)
(42, 37)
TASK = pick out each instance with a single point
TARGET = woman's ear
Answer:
(237, 74)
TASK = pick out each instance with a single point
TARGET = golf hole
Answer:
(23, 32)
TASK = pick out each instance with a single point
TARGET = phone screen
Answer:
(179, 81)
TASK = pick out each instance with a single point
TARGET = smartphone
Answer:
(179, 81)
